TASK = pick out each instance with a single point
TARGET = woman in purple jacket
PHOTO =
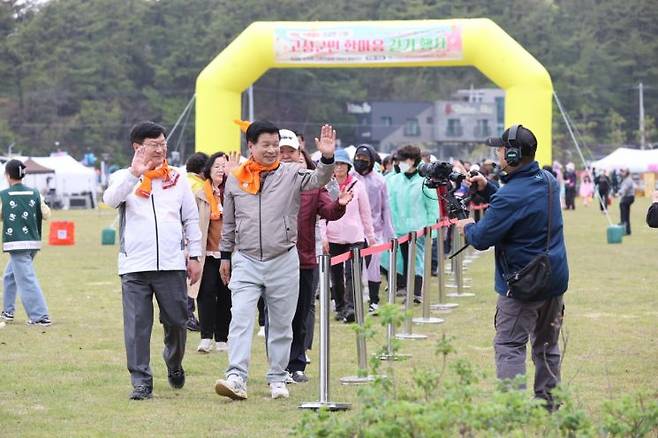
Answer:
(364, 162)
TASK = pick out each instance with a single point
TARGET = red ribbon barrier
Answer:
(379, 248)
(376, 249)
(341, 258)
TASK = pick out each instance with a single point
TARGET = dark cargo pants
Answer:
(540, 321)
(170, 289)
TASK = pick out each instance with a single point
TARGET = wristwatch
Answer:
(195, 258)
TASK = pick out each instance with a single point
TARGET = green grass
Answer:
(70, 379)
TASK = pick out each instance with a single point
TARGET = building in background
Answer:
(443, 127)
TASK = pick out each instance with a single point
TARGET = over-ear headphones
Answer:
(513, 153)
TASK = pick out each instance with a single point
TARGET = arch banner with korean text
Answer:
(371, 44)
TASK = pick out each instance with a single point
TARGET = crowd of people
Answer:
(231, 238)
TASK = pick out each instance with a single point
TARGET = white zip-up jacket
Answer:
(153, 231)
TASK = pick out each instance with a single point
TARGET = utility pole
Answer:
(641, 91)
(250, 95)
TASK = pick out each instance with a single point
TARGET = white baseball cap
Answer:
(288, 138)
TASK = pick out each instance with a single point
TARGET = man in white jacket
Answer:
(158, 216)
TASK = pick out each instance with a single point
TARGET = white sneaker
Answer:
(221, 346)
(233, 387)
(205, 346)
(261, 332)
(373, 308)
(279, 390)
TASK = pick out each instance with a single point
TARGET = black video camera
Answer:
(440, 174)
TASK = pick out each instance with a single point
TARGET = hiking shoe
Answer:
(221, 346)
(299, 377)
(373, 308)
(44, 322)
(233, 387)
(205, 346)
(7, 316)
(279, 390)
(141, 392)
(288, 379)
(176, 378)
(418, 299)
(193, 325)
(349, 317)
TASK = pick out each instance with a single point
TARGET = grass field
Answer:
(70, 379)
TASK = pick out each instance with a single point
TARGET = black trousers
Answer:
(310, 319)
(306, 295)
(214, 303)
(625, 211)
(402, 279)
(170, 290)
(341, 276)
(604, 197)
(570, 198)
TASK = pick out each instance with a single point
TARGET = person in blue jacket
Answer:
(516, 224)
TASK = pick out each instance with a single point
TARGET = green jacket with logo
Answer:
(21, 218)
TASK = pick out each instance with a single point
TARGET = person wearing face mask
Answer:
(350, 231)
(213, 297)
(524, 224)
(411, 210)
(364, 162)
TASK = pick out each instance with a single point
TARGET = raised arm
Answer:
(227, 243)
(319, 177)
(122, 183)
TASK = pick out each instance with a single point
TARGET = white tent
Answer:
(638, 161)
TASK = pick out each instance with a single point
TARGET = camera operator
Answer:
(519, 226)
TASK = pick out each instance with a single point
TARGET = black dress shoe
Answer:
(176, 378)
(349, 317)
(141, 392)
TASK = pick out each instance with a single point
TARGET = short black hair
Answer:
(205, 172)
(15, 169)
(387, 160)
(409, 152)
(196, 162)
(260, 127)
(144, 130)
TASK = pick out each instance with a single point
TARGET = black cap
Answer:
(525, 139)
(15, 169)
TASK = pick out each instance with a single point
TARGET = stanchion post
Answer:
(459, 273)
(359, 312)
(442, 305)
(408, 332)
(392, 286)
(427, 276)
(325, 304)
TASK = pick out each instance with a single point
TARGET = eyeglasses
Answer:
(149, 145)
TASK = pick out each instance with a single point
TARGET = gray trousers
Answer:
(516, 321)
(170, 291)
(277, 280)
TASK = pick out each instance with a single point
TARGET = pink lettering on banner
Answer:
(454, 40)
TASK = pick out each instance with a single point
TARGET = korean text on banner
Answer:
(368, 44)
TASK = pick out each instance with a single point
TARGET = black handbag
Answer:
(531, 281)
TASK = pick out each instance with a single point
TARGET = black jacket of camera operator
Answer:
(516, 223)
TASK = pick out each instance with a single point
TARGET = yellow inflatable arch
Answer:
(371, 44)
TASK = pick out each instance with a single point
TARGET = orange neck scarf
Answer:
(215, 212)
(144, 188)
(248, 174)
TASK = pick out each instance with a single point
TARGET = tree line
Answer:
(79, 73)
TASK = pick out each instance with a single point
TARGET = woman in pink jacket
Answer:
(353, 230)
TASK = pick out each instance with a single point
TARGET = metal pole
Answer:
(642, 137)
(408, 332)
(442, 306)
(325, 304)
(459, 273)
(250, 97)
(427, 275)
(392, 286)
(359, 312)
